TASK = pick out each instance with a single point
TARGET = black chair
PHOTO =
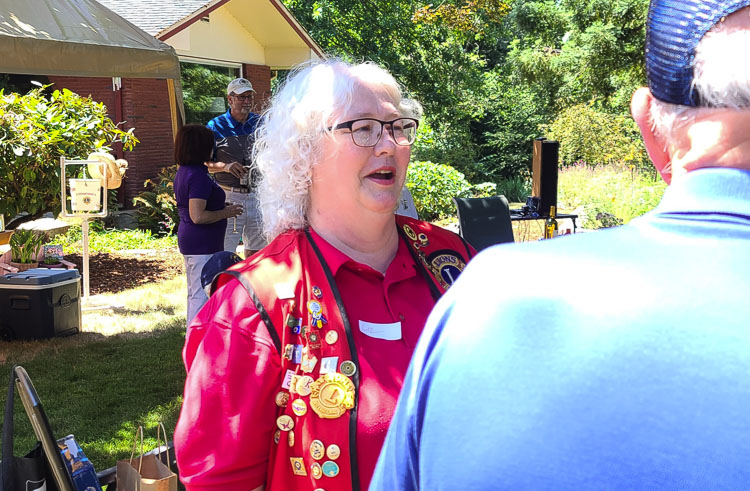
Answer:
(484, 222)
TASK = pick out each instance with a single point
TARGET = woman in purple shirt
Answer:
(200, 203)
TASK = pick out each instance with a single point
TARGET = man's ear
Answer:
(640, 108)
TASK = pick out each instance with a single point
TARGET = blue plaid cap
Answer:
(216, 264)
(674, 29)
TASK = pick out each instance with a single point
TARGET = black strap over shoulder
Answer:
(259, 306)
(436, 294)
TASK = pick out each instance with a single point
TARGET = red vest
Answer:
(314, 446)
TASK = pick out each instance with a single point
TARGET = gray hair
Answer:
(301, 114)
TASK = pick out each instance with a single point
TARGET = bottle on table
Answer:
(550, 226)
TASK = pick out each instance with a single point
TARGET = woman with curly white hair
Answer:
(296, 362)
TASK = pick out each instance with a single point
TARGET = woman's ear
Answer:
(640, 108)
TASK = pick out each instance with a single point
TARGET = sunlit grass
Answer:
(125, 369)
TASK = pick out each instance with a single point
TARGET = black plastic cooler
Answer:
(40, 303)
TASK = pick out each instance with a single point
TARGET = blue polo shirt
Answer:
(616, 359)
(233, 143)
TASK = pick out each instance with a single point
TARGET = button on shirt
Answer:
(228, 346)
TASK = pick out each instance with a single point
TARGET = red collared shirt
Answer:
(228, 414)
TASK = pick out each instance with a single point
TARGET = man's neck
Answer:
(370, 242)
(719, 139)
(239, 117)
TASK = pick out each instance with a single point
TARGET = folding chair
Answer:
(484, 222)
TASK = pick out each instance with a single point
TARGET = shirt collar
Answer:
(709, 190)
(336, 259)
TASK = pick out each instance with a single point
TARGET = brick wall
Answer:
(260, 77)
(145, 107)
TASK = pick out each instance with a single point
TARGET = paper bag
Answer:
(147, 472)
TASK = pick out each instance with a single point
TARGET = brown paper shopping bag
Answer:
(147, 472)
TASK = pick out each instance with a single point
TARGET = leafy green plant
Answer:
(515, 189)
(25, 245)
(37, 129)
(596, 137)
(608, 195)
(158, 207)
(433, 187)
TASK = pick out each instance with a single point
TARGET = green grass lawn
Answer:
(124, 369)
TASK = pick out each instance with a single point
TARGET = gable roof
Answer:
(153, 16)
(164, 18)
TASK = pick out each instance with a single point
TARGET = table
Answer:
(516, 216)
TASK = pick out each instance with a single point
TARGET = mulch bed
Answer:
(115, 272)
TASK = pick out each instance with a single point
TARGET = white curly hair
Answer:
(287, 146)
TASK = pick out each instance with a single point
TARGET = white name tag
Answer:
(389, 332)
(284, 290)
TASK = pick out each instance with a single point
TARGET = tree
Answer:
(37, 129)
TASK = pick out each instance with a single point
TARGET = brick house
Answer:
(251, 38)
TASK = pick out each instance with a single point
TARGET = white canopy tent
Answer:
(81, 38)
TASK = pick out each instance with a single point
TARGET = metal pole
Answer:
(85, 230)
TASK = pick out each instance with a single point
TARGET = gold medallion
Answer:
(332, 337)
(317, 449)
(333, 452)
(285, 422)
(298, 466)
(303, 385)
(291, 439)
(316, 470)
(299, 407)
(331, 395)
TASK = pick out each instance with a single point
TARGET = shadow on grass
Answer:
(99, 388)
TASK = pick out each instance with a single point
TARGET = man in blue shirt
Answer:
(616, 359)
(234, 134)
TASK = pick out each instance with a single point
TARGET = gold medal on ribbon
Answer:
(331, 395)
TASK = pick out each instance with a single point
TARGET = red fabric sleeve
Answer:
(228, 415)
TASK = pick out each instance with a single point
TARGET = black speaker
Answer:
(544, 173)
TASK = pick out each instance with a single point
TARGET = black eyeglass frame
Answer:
(348, 125)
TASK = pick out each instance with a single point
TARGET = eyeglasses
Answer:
(244, 97)
(366, 132)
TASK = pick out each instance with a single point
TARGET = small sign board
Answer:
(53, 252)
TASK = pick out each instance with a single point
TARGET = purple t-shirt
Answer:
(193, 181)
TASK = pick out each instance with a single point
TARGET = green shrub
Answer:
(433, 187)
(608, 195)
(157, 206)
(35, 131)
(594, 137)
(113, 240)
(483, 190)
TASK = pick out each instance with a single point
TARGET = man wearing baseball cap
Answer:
(234, 134)
(617, 359)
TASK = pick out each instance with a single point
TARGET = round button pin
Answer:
(299, 407)
(333, 451)
(282, 398)
(285, 422)
(291, 438)
(316, 470)
(277, 436)
(317, 449)
(330, 469)
(332, 337)
(303, 385)
(348, 368)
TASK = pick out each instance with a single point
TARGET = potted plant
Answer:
(24, 248)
